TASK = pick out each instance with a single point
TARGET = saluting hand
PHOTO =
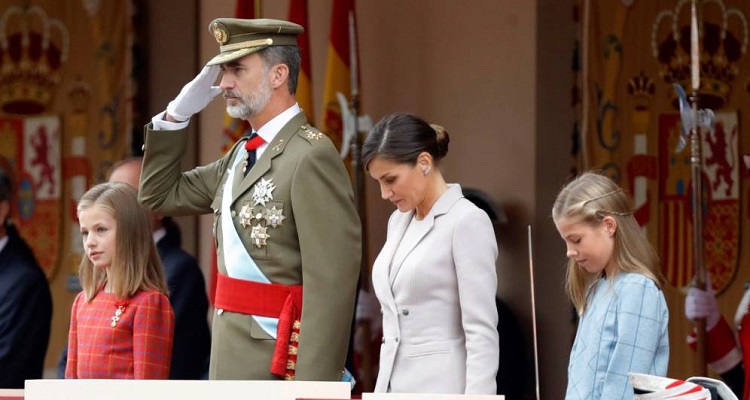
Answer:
(196, 95)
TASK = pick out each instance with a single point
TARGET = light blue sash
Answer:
(242, 266)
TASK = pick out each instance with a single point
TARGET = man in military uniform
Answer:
(287, 232)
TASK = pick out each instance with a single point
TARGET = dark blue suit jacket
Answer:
(25, 314)
(192, 340)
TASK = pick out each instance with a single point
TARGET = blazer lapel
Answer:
(441, 206)
(418, 232)
(274, 149)
(390, 246)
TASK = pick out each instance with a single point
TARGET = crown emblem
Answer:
(79, 94)
(33, 49)
(642, 88)
(720, 49)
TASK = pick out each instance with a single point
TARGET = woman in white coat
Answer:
(435, 277)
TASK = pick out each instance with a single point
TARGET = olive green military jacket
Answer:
(317, 245)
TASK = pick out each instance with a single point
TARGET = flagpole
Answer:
(356, 146)
(359, 195)
(533, 315)
(696, 175)
(258, 8)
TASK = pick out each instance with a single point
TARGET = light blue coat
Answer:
(624, 329)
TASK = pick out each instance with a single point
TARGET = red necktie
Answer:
(252, 143)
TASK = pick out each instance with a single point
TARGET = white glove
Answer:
(702, 304)
(196, 95)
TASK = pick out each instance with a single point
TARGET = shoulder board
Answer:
(311, 134)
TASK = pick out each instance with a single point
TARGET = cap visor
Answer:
(233, 55)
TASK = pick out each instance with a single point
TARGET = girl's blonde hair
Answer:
(589, 198)
(136, 264)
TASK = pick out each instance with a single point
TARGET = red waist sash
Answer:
(267, 300)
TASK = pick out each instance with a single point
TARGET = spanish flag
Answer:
(338, 70)
(298, 15)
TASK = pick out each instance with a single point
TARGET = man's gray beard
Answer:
(240, 111)
(252, 104)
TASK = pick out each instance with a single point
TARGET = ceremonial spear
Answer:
(696, 175)
(692, 121)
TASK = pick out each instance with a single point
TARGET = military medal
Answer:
(120, 309)
(259, 235)
(263, 192)
(274, 216)
(246, 215)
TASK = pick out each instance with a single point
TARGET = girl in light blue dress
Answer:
(614, 282)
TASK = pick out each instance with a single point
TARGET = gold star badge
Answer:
(312, 135)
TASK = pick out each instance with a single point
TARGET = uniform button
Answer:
(234, 213)
(143, 147)
(396, 339)
(220, 311)
(405, 311)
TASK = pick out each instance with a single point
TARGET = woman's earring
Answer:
(426, 170)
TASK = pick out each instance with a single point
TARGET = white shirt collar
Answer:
(269, 131)
(159, 234)
(3, 242)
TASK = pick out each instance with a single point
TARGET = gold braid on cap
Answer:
(246, 44)
(621, 214)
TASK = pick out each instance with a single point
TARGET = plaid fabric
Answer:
(624, 329)
(139, 346)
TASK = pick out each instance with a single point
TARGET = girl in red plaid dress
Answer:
(121, 324)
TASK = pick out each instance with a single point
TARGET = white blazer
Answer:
(438, 305)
